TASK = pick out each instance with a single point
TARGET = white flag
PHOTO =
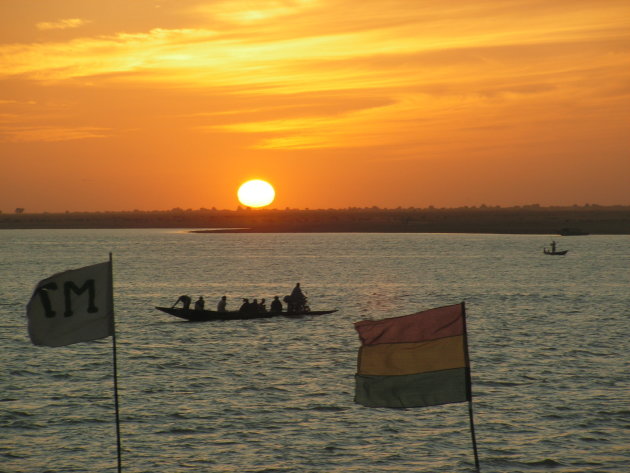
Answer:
(71, 307)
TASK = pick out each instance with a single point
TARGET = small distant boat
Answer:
(559, 253)
(553, 250)
(208, 315)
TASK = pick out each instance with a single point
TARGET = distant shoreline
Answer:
(592, 219)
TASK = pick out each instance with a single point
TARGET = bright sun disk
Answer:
(256, 193)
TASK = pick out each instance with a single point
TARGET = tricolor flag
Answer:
(414, 361)
(72, 306)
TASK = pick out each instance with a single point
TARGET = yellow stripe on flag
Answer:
(411, 358)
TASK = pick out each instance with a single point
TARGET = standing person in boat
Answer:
(553, 246)
(200, 303)
(221, 306)
(185, 300)
(298, 299)
(276, 305)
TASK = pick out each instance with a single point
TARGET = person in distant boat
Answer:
(262, 306)
(221, 306)
(287, 299)
(200, 303)
(276, 305)
(297, 293)
(297, 299)
(254, 307)
(245, 306)
(185, 300)
(553, 246)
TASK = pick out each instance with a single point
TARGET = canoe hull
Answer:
(208, 315)
(556, 253)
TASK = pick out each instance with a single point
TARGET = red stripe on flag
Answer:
(419, 327)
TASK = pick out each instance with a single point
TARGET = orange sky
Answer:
(155, 104)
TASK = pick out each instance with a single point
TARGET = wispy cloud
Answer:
(433, 62)
(64, 24)
(380, 47)
(252, 12)
(22, 134)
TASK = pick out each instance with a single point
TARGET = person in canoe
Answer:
(245, 306)
(221, 306)
(276, 305)
(200, 303)
(185, 300)
(296, 302)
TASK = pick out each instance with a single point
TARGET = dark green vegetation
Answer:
(532, 219)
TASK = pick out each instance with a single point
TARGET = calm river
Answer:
(548, 341)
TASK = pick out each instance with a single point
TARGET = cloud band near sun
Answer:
(64, 24)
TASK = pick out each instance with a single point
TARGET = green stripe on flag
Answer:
(416, 390)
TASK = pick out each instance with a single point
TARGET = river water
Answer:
(548, 342)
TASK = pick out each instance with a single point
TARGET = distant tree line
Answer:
(483, 219)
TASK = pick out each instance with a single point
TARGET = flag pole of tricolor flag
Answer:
(415, 360)
(76, 306)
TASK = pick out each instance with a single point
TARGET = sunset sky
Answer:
(155, 104)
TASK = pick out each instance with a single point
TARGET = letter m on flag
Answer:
(72, 306)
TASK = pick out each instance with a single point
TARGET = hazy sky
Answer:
(155, 104)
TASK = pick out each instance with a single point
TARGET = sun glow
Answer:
(256, 193)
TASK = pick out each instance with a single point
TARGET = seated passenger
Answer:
(289, 302)
(221, 306)
(200, 303)
(276, 305)
(245, 306)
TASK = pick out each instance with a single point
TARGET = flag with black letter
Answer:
(72, 306)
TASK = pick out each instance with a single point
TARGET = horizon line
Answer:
(240, 208)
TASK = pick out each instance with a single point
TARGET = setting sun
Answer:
(256, 193)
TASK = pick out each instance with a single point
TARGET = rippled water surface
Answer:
(548, 340)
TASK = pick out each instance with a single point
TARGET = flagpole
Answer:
(111, 295)
(469, 389)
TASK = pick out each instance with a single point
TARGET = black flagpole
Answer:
(111, 295)
(469, 389)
